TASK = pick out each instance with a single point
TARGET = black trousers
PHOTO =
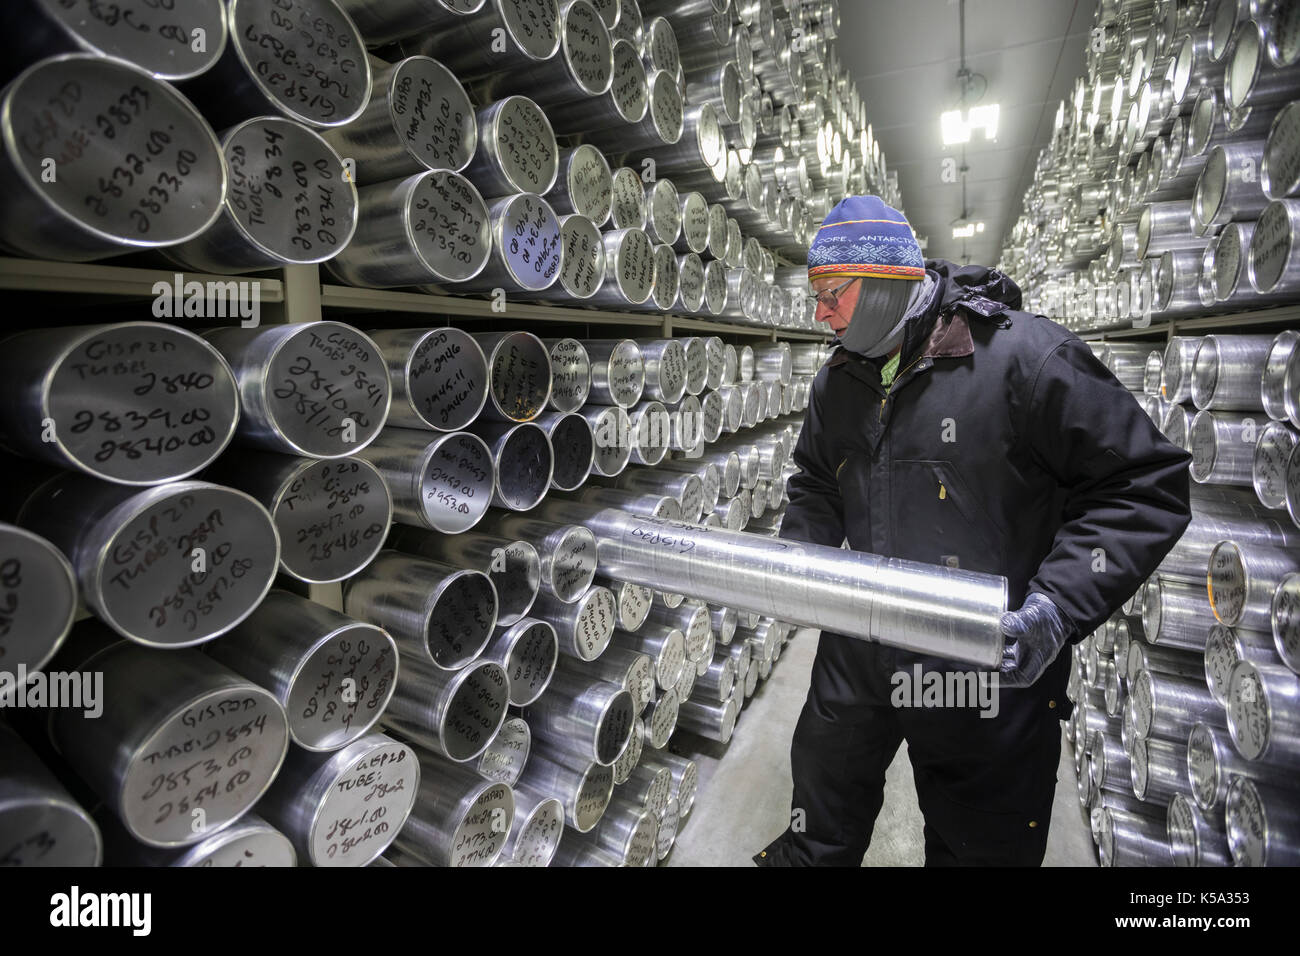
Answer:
(985, 784)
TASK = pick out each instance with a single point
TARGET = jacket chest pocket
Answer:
(937, 519)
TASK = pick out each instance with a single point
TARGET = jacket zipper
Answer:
(889, 391)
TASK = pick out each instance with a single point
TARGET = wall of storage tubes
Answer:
(390, 301)
(1162, 224)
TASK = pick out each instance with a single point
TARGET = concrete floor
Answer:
(745, 788)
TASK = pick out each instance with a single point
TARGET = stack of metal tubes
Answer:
(1187, 700)
(1170, 188)
(667, 159)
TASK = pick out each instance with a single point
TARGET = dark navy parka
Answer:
(1003, 445)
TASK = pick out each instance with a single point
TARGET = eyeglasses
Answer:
(831, 297)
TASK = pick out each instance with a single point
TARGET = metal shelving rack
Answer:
(1263, 320)
(300, 294)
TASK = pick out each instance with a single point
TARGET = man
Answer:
(950, 428)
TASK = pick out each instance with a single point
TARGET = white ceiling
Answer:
(904, 54)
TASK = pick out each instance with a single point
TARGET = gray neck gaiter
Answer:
(884, 306)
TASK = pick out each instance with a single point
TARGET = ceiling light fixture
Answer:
(957, 128)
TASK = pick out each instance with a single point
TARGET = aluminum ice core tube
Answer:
(570, 362)
(617, 372)
(141, 32)
(522, 460)
(179, 731)
(441, 614)
(567, 552)
(946, 612)
(315, 388)
(628, 200)
(573, 447)
(442, 482)
(432, 227)
(458, 819)
(507, 754)
(137, 554)
(513, 565)
(304, 59)
(584, 185)
(631, 756)
(583, 788)
(528, 650)
(332, 805)
(40, 594)
(526, 247)
(135, 402)
(516, 150)
(418, 118)
(332, 516)
(536, 831)
(40, 823)
(439, 377)
(332, 675)
(520, 375)
(589, 718)
(484, 38)
(452, 713)
(92, 115)
(1263, 824)
(289, 202)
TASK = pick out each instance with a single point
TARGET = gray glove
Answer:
(1034, 636)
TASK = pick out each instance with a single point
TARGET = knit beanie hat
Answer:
(864, 237)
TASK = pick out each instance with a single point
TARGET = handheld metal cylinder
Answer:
(800, 583)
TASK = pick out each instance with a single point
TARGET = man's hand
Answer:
(1034, 636)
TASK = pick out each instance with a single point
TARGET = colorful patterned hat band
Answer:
(864, 237)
